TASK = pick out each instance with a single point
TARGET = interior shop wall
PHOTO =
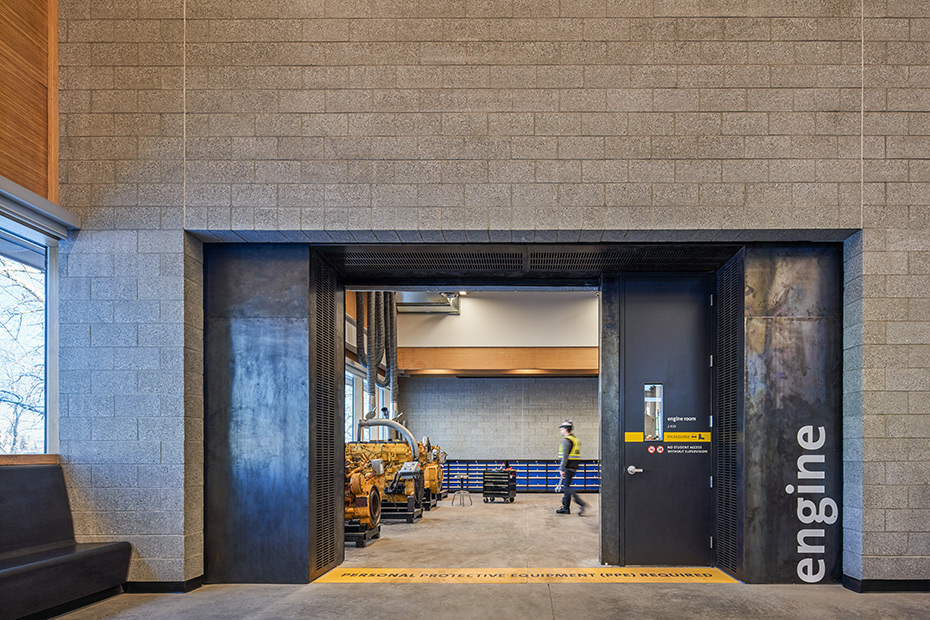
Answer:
(512, 319)
(498, 418)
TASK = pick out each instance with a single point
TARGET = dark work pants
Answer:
(568, 492)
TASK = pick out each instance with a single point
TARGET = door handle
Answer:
(633, 470)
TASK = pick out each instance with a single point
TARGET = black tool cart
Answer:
(500, 483)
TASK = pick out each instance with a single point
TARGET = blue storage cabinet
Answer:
(533, 476)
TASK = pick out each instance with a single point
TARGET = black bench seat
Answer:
(41, 566)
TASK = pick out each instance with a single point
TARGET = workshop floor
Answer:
(526, 533)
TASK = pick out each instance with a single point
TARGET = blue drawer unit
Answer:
(533, 476)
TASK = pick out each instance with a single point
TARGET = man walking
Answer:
(570, 453)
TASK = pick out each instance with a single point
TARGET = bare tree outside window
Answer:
(22, 358)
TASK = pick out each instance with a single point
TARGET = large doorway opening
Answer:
(276, 419)
(487, 375)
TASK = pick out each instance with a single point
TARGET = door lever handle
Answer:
(633, 470)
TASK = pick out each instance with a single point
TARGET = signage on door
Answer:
(703, 437)
(687, 437)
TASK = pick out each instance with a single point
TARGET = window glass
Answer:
(350, 407)
(22, 349)
(384, 396)
(653, 411)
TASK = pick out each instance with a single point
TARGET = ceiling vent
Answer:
(427, 303)
(457, 264)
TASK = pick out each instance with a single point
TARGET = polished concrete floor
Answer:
(524, 534)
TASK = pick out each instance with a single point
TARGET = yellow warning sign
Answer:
(686, 437)
(669, 437)
(528, 575)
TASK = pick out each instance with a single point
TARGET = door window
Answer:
(654, 422)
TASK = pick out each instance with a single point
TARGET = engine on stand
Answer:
(364, 488)
(403, 478)
(432, 458)
(413, 474)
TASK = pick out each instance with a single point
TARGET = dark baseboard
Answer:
(72, 605)
(162, 587)
(865, 586)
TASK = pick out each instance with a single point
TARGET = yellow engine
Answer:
(364, 486)
(398, 476)
(432, 458)
(391, 455)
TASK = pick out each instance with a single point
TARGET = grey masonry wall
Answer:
(483, 418)
(478, 120)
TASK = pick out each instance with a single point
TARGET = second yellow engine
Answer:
(432, 458)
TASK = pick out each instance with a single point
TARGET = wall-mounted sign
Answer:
(815, 510)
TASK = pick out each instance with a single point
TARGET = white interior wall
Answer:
(507, 319)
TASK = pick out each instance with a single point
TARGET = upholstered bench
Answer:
(41, 566)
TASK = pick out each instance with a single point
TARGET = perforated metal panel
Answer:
(476, 260)
(326, 419)
(729, 398)
(632, 258)
(575, 261)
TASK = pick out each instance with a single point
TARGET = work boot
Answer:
(563, 511)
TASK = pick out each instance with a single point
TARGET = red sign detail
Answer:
(660, 449)
(651, 449)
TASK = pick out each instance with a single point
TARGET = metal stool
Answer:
(461, 494)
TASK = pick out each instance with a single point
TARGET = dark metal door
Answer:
(667, 407)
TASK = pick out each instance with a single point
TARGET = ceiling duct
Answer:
(427, 303)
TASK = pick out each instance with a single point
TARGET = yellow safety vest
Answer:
(575, 454)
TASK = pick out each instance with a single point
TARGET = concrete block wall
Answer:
(124, 300)
(452, 121)
(478, 120)
(123, 393)
(485, 418)
(853, 465)
(193, 408)
(895, 327)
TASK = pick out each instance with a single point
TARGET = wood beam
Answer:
(501, 360)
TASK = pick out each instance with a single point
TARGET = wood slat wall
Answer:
(29, 95)
(350, 304)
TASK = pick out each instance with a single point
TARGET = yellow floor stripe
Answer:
(527, 575)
